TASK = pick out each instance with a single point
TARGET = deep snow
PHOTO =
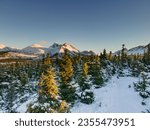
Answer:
(115, 97)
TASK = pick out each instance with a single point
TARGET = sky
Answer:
(86, 24)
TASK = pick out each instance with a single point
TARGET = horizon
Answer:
(46, 44)
(86, 24)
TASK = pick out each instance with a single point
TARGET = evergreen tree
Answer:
(146, 57)
(23, 78)
(48, 95)
(47, 85)
(66, 68)
(123, 56)
(142, 85)
(67, 91)
(104, 55)
(96, 73)
(46, 63)
(63, 108)
(85, 69)
(110, 56)
(83, 79)
(103, 59)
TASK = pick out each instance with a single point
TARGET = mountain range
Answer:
(36, 50)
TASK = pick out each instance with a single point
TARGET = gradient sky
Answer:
(87, 24)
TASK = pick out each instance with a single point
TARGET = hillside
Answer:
(115, 97)
(74, 82)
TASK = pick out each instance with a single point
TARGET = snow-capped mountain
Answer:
(4, 48)
(35, 49)
(58, 49)
(137, 50)
(11, 52)
(134, 50)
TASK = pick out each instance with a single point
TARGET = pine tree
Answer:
(104, 55)
(85, 69)
(97, 76)
(46, 63)
(146, 57)
(48, 94)
(142, 85)
(47, 85)
(103, 59)
(110, 56)
(123, 56)
(83, 79)
(63, 108)
(67, 91)
(23, 78)
(87, 96)
(66, 69)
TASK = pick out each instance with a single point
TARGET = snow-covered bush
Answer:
(87, 97)
(142, 85)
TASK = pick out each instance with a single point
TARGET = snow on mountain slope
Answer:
(59, 49)
(137, 50)
(134, 50)
(34, 49)
(37, 50)
(4, 48)
(70, 47)
(115, 97)
(54, 49)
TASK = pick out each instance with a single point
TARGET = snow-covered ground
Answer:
(115, 97)
(23, 107)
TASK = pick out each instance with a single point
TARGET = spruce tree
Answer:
(48, 94)
(87, 96)
(47, 85)
(110, 57)
(142, 85)
(83, 79)
(96, 73)
(46, 63)
(66, 68)
(67, 91)
(123, 56)
(85, 69)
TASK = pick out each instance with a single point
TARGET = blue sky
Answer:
(87, 24)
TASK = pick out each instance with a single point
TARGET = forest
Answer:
(56, 84)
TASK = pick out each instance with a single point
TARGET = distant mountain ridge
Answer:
(134, 51)
(36, 50)
(4, 48)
